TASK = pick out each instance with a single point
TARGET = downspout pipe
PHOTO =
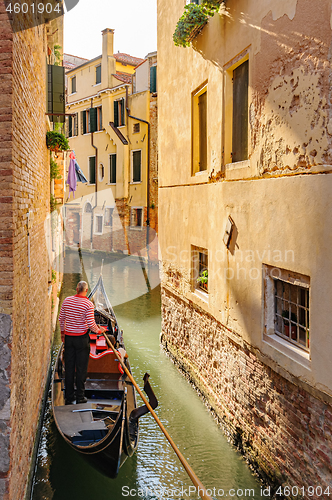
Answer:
(96, 177)
(148, 172)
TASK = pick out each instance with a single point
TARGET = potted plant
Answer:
(289, 322)
(202, 280)
(56, 142)
(193, 20)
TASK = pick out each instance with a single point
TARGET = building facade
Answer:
(113, 133)
(245, 162)
(25, 261)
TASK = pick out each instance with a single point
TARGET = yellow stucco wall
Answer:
(280, 212)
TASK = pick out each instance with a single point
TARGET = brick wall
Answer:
(25, 304)
(283, 427)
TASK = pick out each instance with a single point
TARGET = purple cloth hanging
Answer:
(71, 180)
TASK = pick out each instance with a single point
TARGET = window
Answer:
(153, 79)
(292, 312)
(137, 164)
(199, 271)
(99, 224)
(136, 217)
(73, 85)
(136, 128)
(119, 109)
(287, 302)
(98, 74)
(92, 170)
(113, 169)
(108, 217)
(199, 130)
(72, 125)
(240, 112)
(99, 118)
(84, 122)
(56, 93)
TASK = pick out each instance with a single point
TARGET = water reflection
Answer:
(154, 469)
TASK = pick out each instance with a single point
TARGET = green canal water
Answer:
(154, 472)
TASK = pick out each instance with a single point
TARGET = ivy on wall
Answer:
(193, 19)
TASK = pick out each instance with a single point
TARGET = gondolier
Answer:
(76, 317)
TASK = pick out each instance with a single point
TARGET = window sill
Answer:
(201, 172)
(135, 228)
(138, 182)
(290, 350)
(202, 295)
(111, 184)
(96, 84)
(91, 184)
(73, 93)
(238, 170)
(97, 234)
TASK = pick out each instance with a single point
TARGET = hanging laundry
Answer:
(80, 177)
(72, 179)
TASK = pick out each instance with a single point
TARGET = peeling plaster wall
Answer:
(282, 215)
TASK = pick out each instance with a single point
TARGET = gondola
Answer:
(105, 429)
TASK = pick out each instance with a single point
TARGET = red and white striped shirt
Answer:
(76, 316)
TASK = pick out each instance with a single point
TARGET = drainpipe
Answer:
(148, 173)
(96, 180)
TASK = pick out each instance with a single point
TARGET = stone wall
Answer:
(25, 301)
(282, 426)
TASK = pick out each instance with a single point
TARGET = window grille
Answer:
(99, 224)
(202, 266)
(292, 313)
(136, 128)
(113, 169)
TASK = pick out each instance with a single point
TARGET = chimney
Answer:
(108, 60)
(108, 42)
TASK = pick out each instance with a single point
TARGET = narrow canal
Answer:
(154, 470)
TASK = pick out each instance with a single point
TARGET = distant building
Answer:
(113, 131)
(26, 238)
(245, 164)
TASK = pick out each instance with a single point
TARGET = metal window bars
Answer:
(292, 313)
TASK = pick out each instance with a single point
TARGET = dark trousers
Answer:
(77, 350)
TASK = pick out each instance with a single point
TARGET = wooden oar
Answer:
(197, 483)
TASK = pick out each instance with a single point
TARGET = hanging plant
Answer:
(56, 142)
(193, 20)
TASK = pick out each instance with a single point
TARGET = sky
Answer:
(134, 22)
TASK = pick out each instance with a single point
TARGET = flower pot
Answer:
(293, 334)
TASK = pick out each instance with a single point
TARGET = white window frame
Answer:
(286, 346)
(95, 224)
(132, 167)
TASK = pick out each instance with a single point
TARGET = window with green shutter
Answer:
(73, 85)
(119, 110)
(92, 170)
(93, 121)
(202, 113)
(153, 79)
(113, 169)
(137, 163)
(56, 92)
(98, 74)
(83, 122)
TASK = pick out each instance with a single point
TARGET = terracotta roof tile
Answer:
(127, 59)
(123, 77)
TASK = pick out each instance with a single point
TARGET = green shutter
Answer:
(56, 92)
(137, 166)
(93, 123)
(116, 114)
(113, 169)
(84, 130)
(92, 170)
(98, 74)
(70, 126)
(240, 113)
(153, 79)
(122, 111)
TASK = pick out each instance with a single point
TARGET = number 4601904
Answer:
(311, 491)
(38, 8)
